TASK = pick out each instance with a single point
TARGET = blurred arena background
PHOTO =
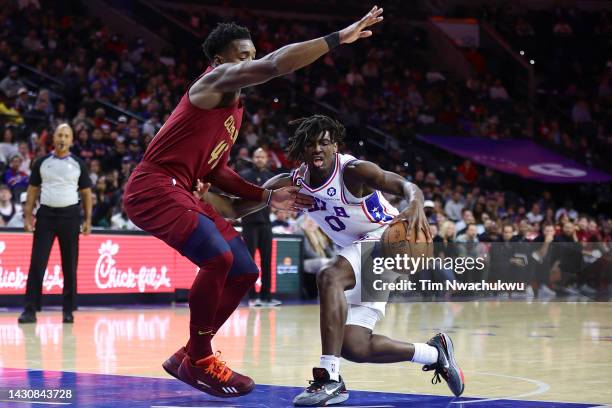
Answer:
(501, 112)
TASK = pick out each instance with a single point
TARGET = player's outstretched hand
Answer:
(288, 198)
(419, 223)
(358, 30)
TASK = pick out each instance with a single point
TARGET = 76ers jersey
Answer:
(342, 216)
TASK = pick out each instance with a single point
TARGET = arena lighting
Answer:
(405, 164)
(532, 61)
(361, 143)
(522, 52)
(275, 100)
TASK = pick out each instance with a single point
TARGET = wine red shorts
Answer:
(154, 202)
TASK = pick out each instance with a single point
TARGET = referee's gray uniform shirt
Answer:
(59, 179)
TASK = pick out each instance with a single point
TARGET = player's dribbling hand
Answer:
(289, 199)
(417, 220)
(357, 30)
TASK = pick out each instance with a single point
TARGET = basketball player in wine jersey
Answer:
(192, 147)
(350, 208)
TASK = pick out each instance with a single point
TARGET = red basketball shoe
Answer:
(212, 376)
(172, 364)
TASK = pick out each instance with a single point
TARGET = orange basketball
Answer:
(398, 239)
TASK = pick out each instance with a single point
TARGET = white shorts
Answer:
(363, 316)
(360, 313)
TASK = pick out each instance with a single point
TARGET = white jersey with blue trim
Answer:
(342, 216)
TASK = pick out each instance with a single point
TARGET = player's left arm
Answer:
(231, 182)
(284, 196)
(372, 177)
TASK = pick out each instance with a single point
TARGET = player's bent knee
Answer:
(220, 263)
(248, 274)
(355, 352)
(357, 342)
(225, 260)
(334, 277)
(253, 276)
(243, 261)
(206, 245)
(329, 277)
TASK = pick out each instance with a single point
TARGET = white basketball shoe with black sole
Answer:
(322, 391)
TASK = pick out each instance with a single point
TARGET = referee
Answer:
(59, 177)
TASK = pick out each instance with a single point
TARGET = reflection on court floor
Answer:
(97, 390)
(509, 351)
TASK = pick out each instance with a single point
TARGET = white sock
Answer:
(332, 365)
(424, 354)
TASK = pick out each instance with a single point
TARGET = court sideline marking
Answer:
(37, 402)
(542, 388)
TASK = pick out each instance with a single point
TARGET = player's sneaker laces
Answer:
(446, 367)
(214, 377)
(322, 391)
(172, 364)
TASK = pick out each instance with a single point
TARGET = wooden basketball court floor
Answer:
(514, 354)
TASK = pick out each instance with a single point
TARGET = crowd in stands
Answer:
(571, 51)
(386, 87)
(391, 88)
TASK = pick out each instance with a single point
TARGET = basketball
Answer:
(398, 239)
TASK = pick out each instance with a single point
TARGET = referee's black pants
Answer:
(259, 236)
(63, 223)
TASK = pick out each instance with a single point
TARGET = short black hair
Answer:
(221, 36)
(311, 127)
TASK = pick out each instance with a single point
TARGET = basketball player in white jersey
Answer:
(350, 208)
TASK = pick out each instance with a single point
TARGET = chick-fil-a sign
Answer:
(108, 263)
(109, 275)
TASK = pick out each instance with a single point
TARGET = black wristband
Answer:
(332, 40)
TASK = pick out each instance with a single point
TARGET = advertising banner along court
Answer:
(121, 263)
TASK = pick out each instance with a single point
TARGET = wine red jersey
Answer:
(194, 142)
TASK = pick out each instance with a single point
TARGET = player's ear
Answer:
(217, 60)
